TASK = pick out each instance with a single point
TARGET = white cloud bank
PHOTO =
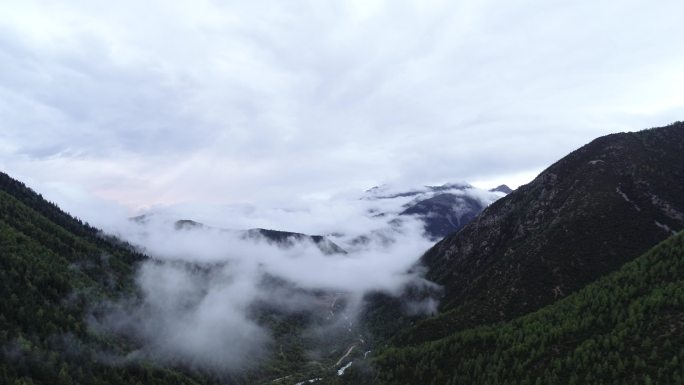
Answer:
(199, 295)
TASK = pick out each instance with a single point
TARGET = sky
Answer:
(159, 103)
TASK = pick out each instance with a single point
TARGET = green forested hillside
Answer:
(626, 328)
(52, 269)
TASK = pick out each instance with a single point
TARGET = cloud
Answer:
(205, 294)
(192, 317)
(170, 102)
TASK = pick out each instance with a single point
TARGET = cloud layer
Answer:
(224, 102)
(205, 295)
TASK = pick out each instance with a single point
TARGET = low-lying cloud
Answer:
(203, 289)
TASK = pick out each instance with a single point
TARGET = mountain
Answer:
(53, 268)
(288, 239)
(446, 213)
(389, 192)
(626, 328)
(583, 217)
(443, 209)
(503, 189)
(276, 237)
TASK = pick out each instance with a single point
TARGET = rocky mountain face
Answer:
(583, 217)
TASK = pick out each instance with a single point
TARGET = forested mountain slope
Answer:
(583, 217)
(52, 269)
(61, 280)
(626, 328)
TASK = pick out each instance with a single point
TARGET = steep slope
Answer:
(626, 328)
(581, 218)
(52, 269)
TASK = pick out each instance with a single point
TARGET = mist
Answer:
(205, 292)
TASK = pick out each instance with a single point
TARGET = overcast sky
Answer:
(162, 102)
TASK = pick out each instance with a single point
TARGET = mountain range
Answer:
(574, 278)
(279, 238)
(441, 209)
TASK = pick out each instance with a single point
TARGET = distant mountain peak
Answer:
(443, 209)
(502, 188)
(445, 213)
(185, 224)
(276, 237)
(386, 191)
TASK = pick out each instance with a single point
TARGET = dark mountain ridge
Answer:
(279, 238)
(287, 239)
(581, 218)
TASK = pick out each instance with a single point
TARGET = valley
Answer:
(576, 277)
